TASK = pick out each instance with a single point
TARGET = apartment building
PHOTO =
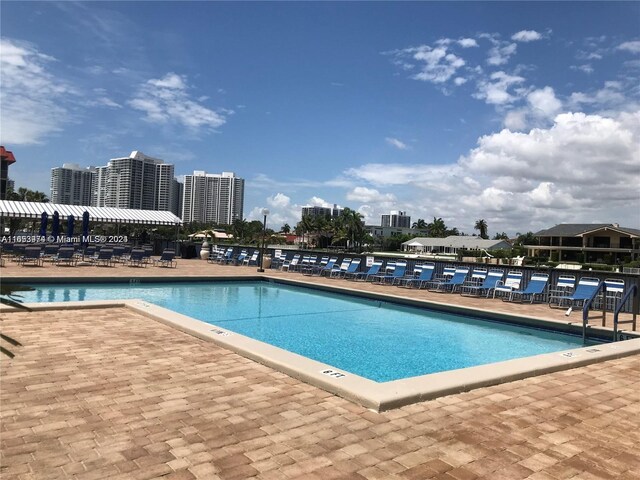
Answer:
(396, 219)
(328, 212)
(71, 184)
(212, 198)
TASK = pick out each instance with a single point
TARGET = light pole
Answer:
(265, 212)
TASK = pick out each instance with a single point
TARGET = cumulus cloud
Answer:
(501, 52)
(279, 200)
(526, 36)
(166, 100)
(633, 46)
(394, 142)
(495, 90)
(467, 42)
(431, 64)
(366, 195)
(32, 97)
(544, 103)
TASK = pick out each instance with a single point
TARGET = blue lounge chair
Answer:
(452, 284)
(611, 295)
(338, 268)
(398, 272)
(363, 276)
(290, 265)
(509, 284)
(564, 286)
(587, 286)
(536, 286)
(166, 259)
(425, 276)
(104, 257)
(252, 260)
(31, 256)
(321, 270)
(310, 268)
(65, 256)
(486, 287)
(137, 258)
(352, 268)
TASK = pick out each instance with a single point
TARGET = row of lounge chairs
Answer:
(463, 280)
(68, 256)
(226, 257)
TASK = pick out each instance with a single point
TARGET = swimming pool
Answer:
(372, 339)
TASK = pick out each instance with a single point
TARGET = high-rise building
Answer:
(396, 219)
(6, 159)
(177, 193)
(99, 187)
(132, 182)
(328, 212)
(208, 197)
(71, 184)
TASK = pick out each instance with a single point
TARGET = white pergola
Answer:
(34, 210)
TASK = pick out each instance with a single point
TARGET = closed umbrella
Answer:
(70, 220)
(85, 227)
(44, 219)
(55, 226)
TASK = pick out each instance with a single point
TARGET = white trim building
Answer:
(451, 244)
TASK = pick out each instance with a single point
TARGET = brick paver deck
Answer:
(111, 394)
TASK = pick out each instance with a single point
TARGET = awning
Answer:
(33, 210)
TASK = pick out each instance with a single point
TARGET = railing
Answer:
(633, 290)
(587, 306)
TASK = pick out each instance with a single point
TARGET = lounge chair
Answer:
(398, 272)
(31, 256)
(486, 287)
(252, 260)
(564, 286)
(453, 284)
(321, 270)
(536, 286)
(611, 294)
(104, 257)
(166, 259)
(363, 276)
(586, 288)
(240, 257)
(352, 268)
(66, 256)
(311, 267)
(288, 264)
(50, 252)
(137, 258)
(425, 276)
(338, 268)
(511, 283)
(226, 257)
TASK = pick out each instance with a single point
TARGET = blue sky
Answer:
(524, 114)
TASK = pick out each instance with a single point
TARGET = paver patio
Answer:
(100, 394)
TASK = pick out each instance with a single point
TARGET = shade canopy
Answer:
(33, 210)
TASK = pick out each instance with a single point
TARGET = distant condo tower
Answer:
(71, 184)
(396, 219)
(208, 197)
(137, 181)
(313, 211)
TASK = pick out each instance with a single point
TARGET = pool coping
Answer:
(371, 394)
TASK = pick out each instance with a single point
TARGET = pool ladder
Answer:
(618, 308)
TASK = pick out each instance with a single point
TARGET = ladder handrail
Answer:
(616, 313)
(585, 309)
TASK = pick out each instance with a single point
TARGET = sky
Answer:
(522, 114)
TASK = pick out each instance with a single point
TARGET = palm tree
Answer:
(420, 224)
(285, 228)
(349, 228)
(437, 228)
(481, 225)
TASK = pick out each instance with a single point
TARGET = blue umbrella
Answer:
(85, 227)
(70, 220)
(44, 219)
(55, 226)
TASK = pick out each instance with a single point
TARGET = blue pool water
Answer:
(376, 340)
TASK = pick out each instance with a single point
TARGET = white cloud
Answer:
(526, 36)
(279, 200)
(367, 195)
(33, 99)
(495, 91)
(459, 81)
(319, 202)
(516, 120)
(394, 142)
(166, 100)
(501, 51)
(544, 103)
(633, 46)
(467, 42)
(608, 96)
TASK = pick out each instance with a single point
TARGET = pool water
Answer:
(376, 340)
